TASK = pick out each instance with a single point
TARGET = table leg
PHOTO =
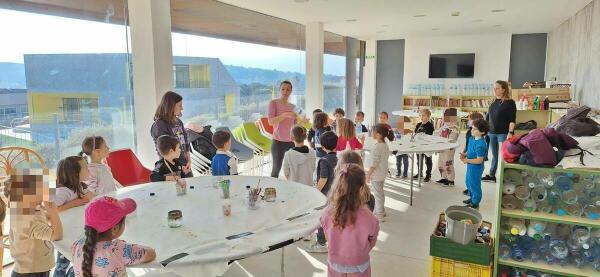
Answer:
(412, 172)
(282, 261)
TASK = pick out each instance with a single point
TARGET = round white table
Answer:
(210, 239)
(419, 144)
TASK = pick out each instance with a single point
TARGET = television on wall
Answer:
(452, 65)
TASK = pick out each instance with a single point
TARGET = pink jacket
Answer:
(351, 245)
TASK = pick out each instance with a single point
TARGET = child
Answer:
(101, 180)
(379, 168)
(338, 113)
(385, 120)
(100, 253)
(474, 160)
(358, 121)
(347, 136)
(401, 159)
(349, 226)
(34, 222)
(224, 162)
(71, 191)
(425, 126)
(450, 131)
(168, 168)
(351, 157)
(472, 117)
(299, 162)
(320, 126)
(325, 176)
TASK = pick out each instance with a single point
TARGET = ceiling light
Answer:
(497, 11)
(351, 20)
(385, 26)
(455, 14)
(380, 32)
(419, 15)
(300, 1)
(435, 29)
(477, 20)
(497, 26)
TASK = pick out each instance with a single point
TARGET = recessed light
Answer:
(435, 29)
(419, 15)
(477, 20)
(351, 20)
(497, 11)
(300, 1)
(455, 14)
(385, 26)
(380, 32)
(497, 26)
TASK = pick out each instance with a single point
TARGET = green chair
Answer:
(253, 134)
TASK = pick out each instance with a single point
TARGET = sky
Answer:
(30, 33)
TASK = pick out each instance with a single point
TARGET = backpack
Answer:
(511, 149)
(202, 142)
(544, 148)
(576, 123)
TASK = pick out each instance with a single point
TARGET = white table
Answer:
(205, 231)
(422, 144)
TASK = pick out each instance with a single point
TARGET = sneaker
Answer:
(488, 178)
(474, 206)
(466, 192)
(404, 176)
(449, 183)
(468, 201)
(397, 176)
(441, 181)
(380, 217)
(427, 179)
(315, 247)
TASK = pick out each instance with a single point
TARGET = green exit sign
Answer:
(370, 57)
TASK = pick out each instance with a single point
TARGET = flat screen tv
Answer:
(452, 65)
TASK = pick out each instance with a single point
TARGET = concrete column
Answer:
(152, 59)
(370, 82)
(352, 50)
(314, 66)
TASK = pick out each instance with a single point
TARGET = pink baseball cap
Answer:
(106, 212)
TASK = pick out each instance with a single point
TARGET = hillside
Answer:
(12, 75)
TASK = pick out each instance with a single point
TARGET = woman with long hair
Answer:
(167, 122)
(501, 116)
(283, 118)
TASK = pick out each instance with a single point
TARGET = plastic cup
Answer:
(225, 184)
(175, 218)
(226, 209)
(180, 187)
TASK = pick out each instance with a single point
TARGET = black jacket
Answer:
(161, 170)
(426, 128)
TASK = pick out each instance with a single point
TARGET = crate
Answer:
(475, 253)
(441, 267)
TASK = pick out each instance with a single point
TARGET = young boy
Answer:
(325, 176)
(337, 114)
(299, 162)
(474, 161)
(450, 131)
(168, 168)
(358, 121)
(34, 222)
(472, 117)
(224, 162)
(379, 169)
(401, 159)
(426, 127)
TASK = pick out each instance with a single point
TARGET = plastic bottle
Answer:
(542, 105)
(569, 197)
(536, 103)
(504, 251)
(522, 192)
(509, 201)
(529, 205)
(520, 104)
(526, 103)
(517, 253)
(533, 232)
(509, 188)
(560, 209)
(539, 193)
(579, 239)
(545, 178)
(517, 226)
(563, 182)
(553, 196)
(575, 209)
(547, 103)
(591, 211)
(558, 249)
(544, 207)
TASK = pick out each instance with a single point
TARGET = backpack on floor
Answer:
(577, 123)
(546, 147)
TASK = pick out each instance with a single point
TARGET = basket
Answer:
(476, 253)
(458, 231)
(441, 267)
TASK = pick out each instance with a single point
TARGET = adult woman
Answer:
(501, 116)
(283, 118)
(167, 122)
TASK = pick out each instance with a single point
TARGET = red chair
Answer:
(265, 123)
(127, 168)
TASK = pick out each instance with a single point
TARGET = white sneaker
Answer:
(315, 247)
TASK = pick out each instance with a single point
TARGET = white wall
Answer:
(492, 55)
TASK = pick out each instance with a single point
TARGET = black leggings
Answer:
(428, 163)
(278, 149)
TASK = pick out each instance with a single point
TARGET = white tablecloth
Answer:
(204, 231)
(423, 144)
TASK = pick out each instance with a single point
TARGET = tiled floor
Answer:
(403, 245)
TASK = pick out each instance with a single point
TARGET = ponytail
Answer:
(90, 144)
(89, 247)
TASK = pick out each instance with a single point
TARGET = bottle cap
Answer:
(191, 187)
(514, 231)
(152, 194)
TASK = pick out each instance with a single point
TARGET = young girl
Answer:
(349, 226)
(351, 157)
(347, 136)
(425, 126)
(401, 159)
(71, 191)
(101, 180)
(320, 126)
(450, 131)
(379, 168)
(100, 253)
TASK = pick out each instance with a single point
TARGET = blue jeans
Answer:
(473, 180)
(495, 141)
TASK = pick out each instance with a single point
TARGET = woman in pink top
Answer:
(347, 136)
(283, 118)
(350, 227)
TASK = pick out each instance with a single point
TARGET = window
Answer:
(192, 76)
(66, 72)
(334, 73)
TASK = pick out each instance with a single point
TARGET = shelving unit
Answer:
(464, 103)
(505, 214)
(542, 118)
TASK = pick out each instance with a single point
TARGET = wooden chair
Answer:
(10, 158)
